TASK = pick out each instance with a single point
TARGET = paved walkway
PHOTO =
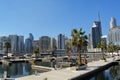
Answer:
(65, 74)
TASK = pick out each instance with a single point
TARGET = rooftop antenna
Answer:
(98, 16)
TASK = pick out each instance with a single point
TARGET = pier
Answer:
(42, 68)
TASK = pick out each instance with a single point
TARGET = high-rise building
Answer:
(35, 43)
(17, 44)
(53, 43)
(31, 36)
(61, 41)
(104, 39)
(113, 23)
(28, 44)
(14, 43)
(21, 44)
(96, 33)
(45, 43)
(3, 39)
(90, 46)
(114, 32)
(67, 42)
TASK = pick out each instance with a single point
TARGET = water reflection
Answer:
(16, 69)
(100, 76)
(113, 73)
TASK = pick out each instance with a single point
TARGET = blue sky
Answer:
(51, 17)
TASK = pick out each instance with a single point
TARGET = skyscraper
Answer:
(31, 36)
(14, 43)
(61, 41)
(3, 39)
(104, 39)
(113, 23)
(17, 44)
(90, 41)
(35, 43)
(28, 44)
(96, 33)
(45, 43)
(114, 32)
(53, 43)
(21, 44)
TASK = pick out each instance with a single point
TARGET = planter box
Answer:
(83, 67)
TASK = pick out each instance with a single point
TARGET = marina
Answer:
(64, 73)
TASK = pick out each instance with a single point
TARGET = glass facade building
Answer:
(114, 32)
(61, 41)
(3, 39)
(17, 44)
(96, 33)
(45, 43)
(28, 44)
(14, 43)
(114, 35)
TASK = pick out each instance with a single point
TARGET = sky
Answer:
(52, 17)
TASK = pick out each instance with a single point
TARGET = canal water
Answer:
(16, 70)
(112, 73)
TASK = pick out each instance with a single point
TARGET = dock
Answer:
(42, 68)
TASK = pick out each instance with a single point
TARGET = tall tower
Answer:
(113, 23)
(45, 43)
(17, 44)
(3, 39)
(31, 36)
(28, 44)
(54, 43)
(61, 41)
(114, 32)
(96, 33)
(14, 43)
(21, 44)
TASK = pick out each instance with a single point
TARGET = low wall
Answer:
(90, 74)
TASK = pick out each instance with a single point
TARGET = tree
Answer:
(36, 51)
(79, 39)
(111, 48)
(116, 49)
(68, 51)
(54, 49)
(7, 45)
(102, 45)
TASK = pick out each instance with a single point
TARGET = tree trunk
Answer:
(79, 56)
(7, 52)
(112, 54)
(103, 55)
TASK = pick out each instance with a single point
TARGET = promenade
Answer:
(66, 74)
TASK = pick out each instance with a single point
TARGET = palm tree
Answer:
(111, 48)
(79, 39)
(116, 49)
(68, 51)
(36, 51)
(54, 49)
(102, 45)
(7, 45)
